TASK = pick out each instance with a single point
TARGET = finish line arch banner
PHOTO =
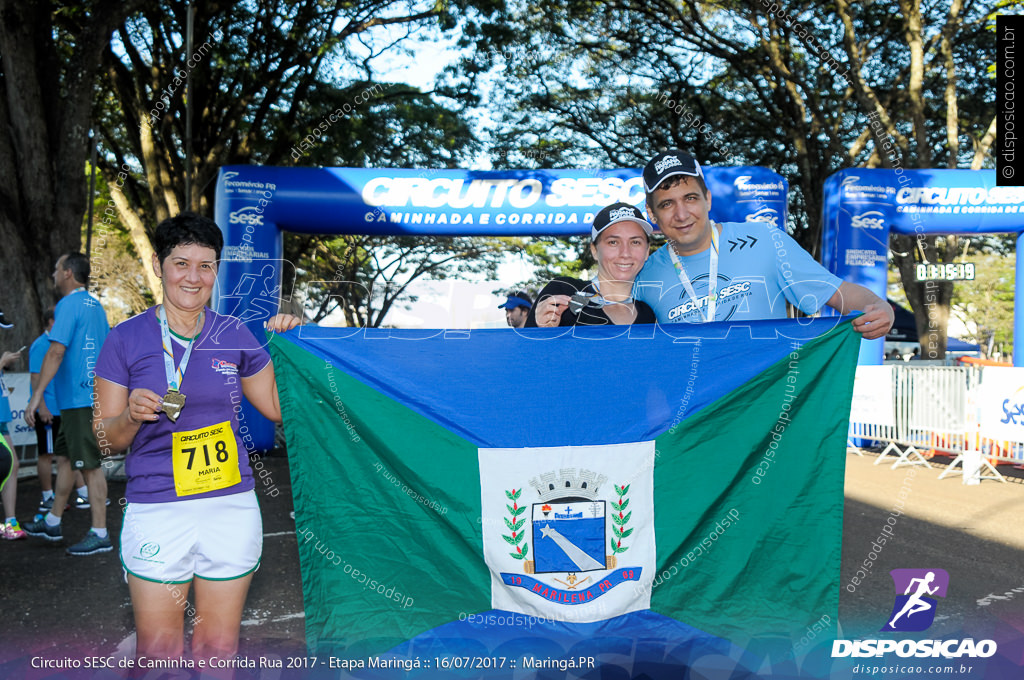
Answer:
(863, 206)
(256, 204)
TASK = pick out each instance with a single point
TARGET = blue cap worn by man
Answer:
(517, 307)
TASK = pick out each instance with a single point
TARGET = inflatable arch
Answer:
(862, 206)
(255, 205)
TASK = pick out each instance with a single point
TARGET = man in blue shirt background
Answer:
(75, 340)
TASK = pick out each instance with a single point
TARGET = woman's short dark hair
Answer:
(185, 229)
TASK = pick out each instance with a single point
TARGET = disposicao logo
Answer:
(913, 610)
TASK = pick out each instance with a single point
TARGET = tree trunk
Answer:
(46, 89)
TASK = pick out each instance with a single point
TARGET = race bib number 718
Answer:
(205, 459)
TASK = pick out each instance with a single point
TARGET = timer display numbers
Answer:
(953, 271)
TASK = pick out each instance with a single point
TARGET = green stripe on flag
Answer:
(370, 585)
(754, 481)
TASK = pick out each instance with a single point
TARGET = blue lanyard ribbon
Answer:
(175, 375)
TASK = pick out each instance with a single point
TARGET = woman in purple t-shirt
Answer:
(169, 384)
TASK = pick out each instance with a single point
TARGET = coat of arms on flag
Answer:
(563, 539)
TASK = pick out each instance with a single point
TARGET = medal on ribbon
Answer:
(174, 400)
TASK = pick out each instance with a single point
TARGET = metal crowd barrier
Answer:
(934, 409)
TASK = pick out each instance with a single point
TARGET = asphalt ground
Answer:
(56, 606)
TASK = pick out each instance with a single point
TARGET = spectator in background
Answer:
(47, 423)
(517, 307)
(9, 493)
(7, 459)
(75, 340)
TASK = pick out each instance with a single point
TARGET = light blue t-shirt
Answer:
(36, 354)
(81, 326)
(760, 267)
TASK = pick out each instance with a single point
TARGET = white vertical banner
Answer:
(873, 396)
(18, 394)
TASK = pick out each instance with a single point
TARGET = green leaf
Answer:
(520, 510)
(518, 524)
(508, 523)
(626, 518)
(526, 549)
(508, 539)
(509, 494)
(625, 490)
(624, 504)
(518, 557)
(517, 494)
(627, 532)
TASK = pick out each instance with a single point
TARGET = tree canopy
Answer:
(806, 89)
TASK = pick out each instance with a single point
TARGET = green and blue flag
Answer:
(649, 495)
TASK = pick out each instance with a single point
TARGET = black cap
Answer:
(615, 213)
(669, 163)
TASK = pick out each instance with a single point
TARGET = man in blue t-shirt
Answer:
(47, 419)
(75, 340)
(734, 271)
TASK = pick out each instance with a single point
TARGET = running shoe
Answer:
(45, 506)
(90, 545)
(82, 503)
(10, 531)
(41, 529)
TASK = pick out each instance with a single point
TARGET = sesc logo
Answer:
(1013, 409)
(869, 220)
(250, 215)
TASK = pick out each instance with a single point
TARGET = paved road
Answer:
(58, 606)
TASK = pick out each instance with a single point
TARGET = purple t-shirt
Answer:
(225, 352)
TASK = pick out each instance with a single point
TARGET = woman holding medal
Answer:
(620, 242)
(168, 384)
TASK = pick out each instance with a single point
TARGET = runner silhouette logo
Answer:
(916, 590)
